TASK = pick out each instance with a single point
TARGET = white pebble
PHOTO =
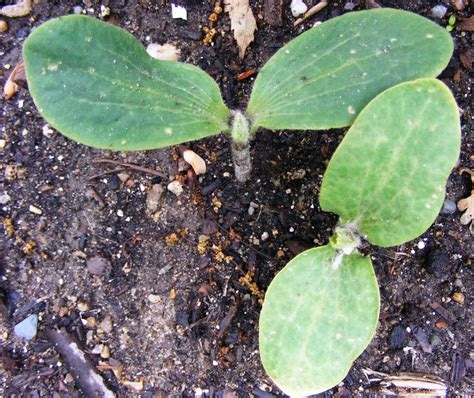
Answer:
(175, 187)
(421, 245)
(438, 11)
(120, 213)
(265, 236)
(298, 7)
(35, 210)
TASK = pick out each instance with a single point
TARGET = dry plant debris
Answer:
(14, 81)
(467, 204)
(242, 22)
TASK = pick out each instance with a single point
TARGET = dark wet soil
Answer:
(164, 315)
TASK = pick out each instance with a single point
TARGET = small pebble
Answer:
(298, 7)
(349, 6)
(3, 26)
(3, 144)
(265, 236)
(154, 197)
(153, 298)
(27, 328)
(91, 322)
(105, 354)
(35, 210)
(449, 207)
(458, 298)
(4, 198)
(175, 187)
(439, 11)
(421, 245)
(251, 210)
(106, 324)
(120, 213)
(77, 9)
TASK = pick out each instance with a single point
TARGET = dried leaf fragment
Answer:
(15, 81)
(165, 52)
(467, 204)
(20, 9)
(467, 24)
(242, 22)
(197, 162)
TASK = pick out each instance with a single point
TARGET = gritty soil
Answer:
(171, 311)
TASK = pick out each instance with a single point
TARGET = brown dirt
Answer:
(182, 321)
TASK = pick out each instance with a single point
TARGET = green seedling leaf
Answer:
(96, 84)
(317, 319)
(325, 77)
(388, 175)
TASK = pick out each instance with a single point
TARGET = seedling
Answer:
(96, 84)
(386, 182)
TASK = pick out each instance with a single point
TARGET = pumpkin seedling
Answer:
(96, 84)
(386, 182)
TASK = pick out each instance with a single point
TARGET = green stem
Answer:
(240, 134)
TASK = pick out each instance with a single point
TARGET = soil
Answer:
(102, 264)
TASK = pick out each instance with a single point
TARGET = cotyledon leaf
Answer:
(316, 320)
(325, 77)
(96, 84)
(388, 175)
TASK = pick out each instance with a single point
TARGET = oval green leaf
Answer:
(96, 84)
(388, 175)
(316, 320)
(325, 77)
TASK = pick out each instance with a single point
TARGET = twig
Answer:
(80, 367)
(93, 177)
(313, 10)
(131, 166)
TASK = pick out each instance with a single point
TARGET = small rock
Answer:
(154, 197)
(35, 210)
(47, 131)
(458, 298)
(178, 12)
(11, 171)
(349, 6)
(3, 143)
(105, 353)
(422, 339)
(106, 325)
(251, 210)
(175, 187)
(21, 9)
(98, 265)
(97, 349)
(438, 11)
(398, 337)
(91, 322)
(197, 162)
(153, 298)
(449, 207)
(27, 328)
(265, 236)
(120, 213)
(3, 26)
(298, 7)
(4, 198)
(165, 52)
(77, 10)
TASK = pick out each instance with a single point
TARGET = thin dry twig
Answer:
(132, 167)
(313, 10)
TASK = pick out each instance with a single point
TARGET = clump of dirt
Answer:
(163, 292)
